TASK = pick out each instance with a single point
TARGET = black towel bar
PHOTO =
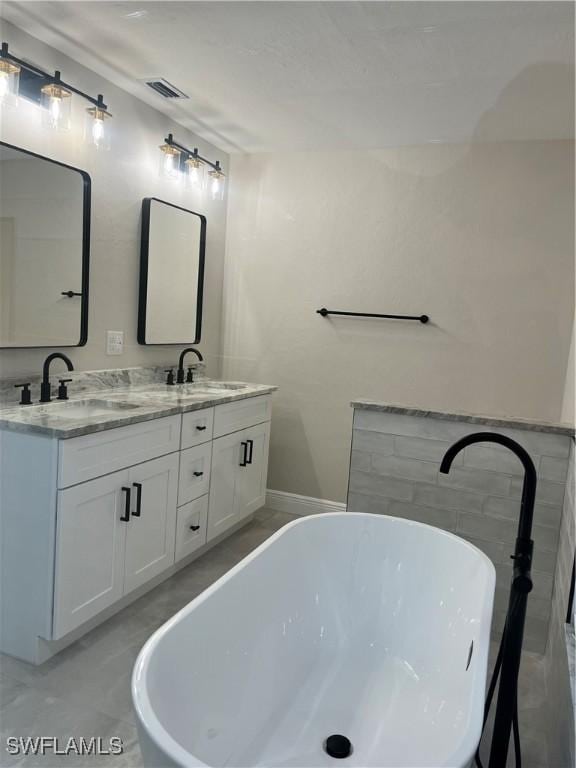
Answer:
(421, 318)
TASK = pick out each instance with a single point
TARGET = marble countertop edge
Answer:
(147, 406)
(512, 422)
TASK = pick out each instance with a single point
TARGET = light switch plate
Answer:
(114, 342)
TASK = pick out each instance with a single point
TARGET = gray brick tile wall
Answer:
(394, 470)
(560, 713)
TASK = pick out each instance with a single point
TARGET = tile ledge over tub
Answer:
(493, 421)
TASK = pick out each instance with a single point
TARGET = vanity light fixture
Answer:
(58, 104)
(53, 94)
(9, 77)
(170, 163)
(216, 182)
(195, 171)
(95, 131)
(178, 161)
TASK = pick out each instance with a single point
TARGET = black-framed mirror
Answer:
(172, 257)
(44, 251)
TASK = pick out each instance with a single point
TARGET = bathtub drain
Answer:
(338, 746)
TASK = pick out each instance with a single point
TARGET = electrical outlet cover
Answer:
(114, 342)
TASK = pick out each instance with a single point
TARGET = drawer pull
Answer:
(243, 461)
(251, 446)
(138, 487)
(198, 474)
(194, 527)
(126, 516)
(200, 429)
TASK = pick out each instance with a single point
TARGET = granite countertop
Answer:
(493, 421)
(103, 409)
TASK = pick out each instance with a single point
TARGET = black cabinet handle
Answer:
(194, 527)
(198, 474)
(243, 461)
(138, 487)
(70, 294)
(200, 429)
(251, 446)
(126, 516)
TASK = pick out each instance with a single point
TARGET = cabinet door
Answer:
(227, 453)
(151, 530)
(90, 540)
(251, 484)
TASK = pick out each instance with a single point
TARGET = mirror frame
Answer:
(85, 281)
(143, 292)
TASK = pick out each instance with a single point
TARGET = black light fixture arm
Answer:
(171, 141)
(55, 78)
(511, 649)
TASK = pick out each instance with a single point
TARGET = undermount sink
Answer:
(85, 409)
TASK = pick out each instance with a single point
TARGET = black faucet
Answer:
(180, 373)
(508, 661)
(45, 389)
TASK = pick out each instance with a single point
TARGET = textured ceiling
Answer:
(274, 76)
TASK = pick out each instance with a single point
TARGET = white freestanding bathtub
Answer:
(366, 626)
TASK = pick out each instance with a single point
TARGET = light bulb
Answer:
(170, 165)
(55, 109)
(98, 131)
(217, 183)
(195, 169)
(95, 132)
(56, 99)
(9, 79)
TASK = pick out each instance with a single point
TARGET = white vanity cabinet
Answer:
(238, 483)
(105, 516)
(115, 532)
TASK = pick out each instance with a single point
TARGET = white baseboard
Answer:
(293, 503)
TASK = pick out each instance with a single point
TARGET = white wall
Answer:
(479, 237)
(120, 179)
(570, 385)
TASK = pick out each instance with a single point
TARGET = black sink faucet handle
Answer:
(25, 397)
(63, 389)
(170, 377)
(190, 375)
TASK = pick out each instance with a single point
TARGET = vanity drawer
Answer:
(194, 478)
(191, 527)
(197, 427)
(84, 458)
(232, 417)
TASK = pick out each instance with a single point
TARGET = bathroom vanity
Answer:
(105, 496)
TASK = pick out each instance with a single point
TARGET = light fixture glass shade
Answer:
(216, 181)
(9, 79)
(96, 130)
(195, 173)
(170, 162)
(58, 105)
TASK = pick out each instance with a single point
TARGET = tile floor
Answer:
(85, 690)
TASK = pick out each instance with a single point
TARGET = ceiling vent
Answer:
(165, 89)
